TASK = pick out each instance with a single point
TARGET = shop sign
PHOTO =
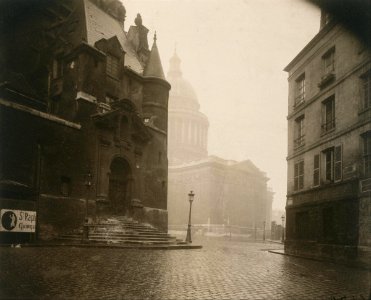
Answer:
(17, 220)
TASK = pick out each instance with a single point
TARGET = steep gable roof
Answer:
(154, 66)
(100, 25)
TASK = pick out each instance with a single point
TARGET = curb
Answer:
(110, 246)
(351, 265)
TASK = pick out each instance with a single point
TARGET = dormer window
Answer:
(112, 66)
(328, 68)
(328, 60)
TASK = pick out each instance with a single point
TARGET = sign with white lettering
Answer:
(17, 220)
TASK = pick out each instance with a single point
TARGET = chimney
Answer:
(137, 35)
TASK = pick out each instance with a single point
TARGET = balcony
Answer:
(299, 100)
(299, 142)
(328, 126)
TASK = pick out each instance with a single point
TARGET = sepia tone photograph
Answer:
(185, 149)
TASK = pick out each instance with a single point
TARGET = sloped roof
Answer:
(154, 66)
(100, 25)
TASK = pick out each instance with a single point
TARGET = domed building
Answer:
(227, 192)
(187, 125)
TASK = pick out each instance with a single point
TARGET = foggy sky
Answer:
(233, 53)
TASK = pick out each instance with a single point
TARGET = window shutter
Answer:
(301, 175)
(296, 177)
(338, 163)
(316, 170)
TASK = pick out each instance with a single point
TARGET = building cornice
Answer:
(39, 114)
(324, 31)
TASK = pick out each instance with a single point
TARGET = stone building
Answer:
(83, 115)
(329, 148)
(227, 192)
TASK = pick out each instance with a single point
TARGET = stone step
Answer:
(130, 234)
(118, 237)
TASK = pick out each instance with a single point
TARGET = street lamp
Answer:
(283, 228)
(87, 183)
(263, 230)
(191, 196)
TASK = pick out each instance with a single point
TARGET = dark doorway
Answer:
(119, 186)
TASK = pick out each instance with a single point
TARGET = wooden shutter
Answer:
(301, 175)
(296, 177)
(338, 163)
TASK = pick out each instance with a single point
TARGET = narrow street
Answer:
(222, 269)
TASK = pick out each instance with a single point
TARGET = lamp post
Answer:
(190, 197)
(283, 228)
(263, 230)
(87, 183)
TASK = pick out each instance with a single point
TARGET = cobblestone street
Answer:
(220, 270)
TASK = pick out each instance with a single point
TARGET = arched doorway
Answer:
(120, 181)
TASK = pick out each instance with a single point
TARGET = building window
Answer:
(300, 89)
(112, 66)
(299, 175)
(328, 60)
(65, 186)
(299, 132)
(367, 154)
(333, 164)
(316, 170)
(366, 97)
(328, 114)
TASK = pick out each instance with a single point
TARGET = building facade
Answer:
(329, 134)
(83, 116)
(227, 192)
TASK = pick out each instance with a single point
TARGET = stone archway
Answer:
(120, 182)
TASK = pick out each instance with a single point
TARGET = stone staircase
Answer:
(122, 230)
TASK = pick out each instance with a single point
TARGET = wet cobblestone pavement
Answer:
(220, 270)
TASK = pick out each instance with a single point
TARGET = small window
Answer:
(328, 114)
(316, 170)
(328, 60)
(300, 89)
(112, 66)
(299, 175)
(65, 186)
(299, 132)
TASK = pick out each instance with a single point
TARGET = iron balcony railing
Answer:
(328, 126)
(298, 142)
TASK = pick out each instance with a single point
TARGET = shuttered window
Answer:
(338, 165)
(299, 175)
(316, 170)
